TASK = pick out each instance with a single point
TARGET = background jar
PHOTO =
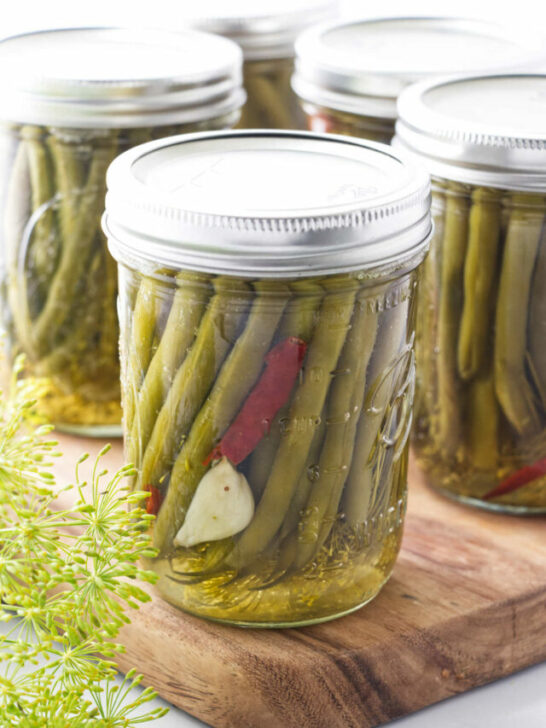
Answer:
(481, 412)
(266, 32)
(349, 73)
(269, 329)
(74, 99)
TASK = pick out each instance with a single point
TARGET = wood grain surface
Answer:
(466, 604)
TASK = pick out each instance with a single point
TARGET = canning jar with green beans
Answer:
(267, 364)
(72, 101)
(481, 405)
(266, 32)
(349, 73)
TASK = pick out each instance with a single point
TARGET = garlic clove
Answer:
(222, 506)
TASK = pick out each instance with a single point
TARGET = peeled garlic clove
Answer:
(222, 506)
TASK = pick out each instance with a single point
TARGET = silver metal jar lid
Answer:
(483, 130)
(109, 77)
(361, 66)
(266, 204)
(263, 28)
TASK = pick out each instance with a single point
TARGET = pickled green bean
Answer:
(41, 255)
(537, 319)
(483, 424)
(514, 391)
(86, 319)
(307, 403)
(74, 253)
(427, 323)
(18, 210)
(480, 277)
(453, 261)
(344, 411)
(299, 320)
(271, 103)
(263, 456)
(182, 325)
(233, 383)
(391, 327)
(141, 337)
(309, 475)
(194, 378)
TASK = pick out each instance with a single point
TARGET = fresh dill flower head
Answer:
(68, 577)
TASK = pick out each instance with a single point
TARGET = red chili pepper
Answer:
(154, 500)
(518, 479)
(271, 391)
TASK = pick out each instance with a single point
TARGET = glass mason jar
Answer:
(93, 94)
(481, 406)
(349, 73)
(267, 365)
(266, 32)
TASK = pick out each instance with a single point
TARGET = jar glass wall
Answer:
(301, 393)
(95, 93)
(333, 121)
(271, 103)
(481, 412)
(59, 287)
(267, 336)
(481, 407)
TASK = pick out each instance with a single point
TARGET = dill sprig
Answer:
(67, 579)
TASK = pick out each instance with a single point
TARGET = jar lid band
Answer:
(115, 78)
(268, 204)
(482, 130)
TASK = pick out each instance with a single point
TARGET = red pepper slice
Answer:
(154, 500)
(518, 479)
(271, 391)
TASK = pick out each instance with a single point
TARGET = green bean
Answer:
(85, 322)
(73, 259)
(18, 209)
(483, 423)
(194, 377)
(453, 260)
(537, 319)
(268, 103)
(143, 323)
(41, 256)
(301, 312)
(299, 320)
(344, 412)
(261, 459)
(308, 401)
(480, 276)
(271, 103)
(362, 481)
(109, 330)
(427, 324)
(182, 324)
(308, 477)
(70, 172)
(233, 383)
(514, 392)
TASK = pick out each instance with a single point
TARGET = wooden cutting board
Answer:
(466, 605)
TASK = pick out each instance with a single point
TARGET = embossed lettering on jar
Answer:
(481, 409)
(268, 371)
(72, 101)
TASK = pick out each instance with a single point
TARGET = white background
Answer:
(518, 701)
